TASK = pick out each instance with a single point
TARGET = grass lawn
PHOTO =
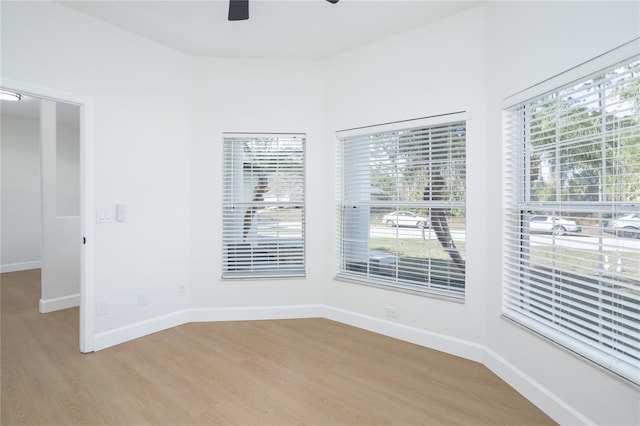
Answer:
(415, 248)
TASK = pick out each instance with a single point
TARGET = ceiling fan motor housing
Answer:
(239, 9)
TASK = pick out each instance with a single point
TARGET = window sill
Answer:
(427, 292)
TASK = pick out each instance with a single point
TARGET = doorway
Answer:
(83, 107)
(59, 125)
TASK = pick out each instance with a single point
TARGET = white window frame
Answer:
(522, 300)
(263, 215)
(355, 228)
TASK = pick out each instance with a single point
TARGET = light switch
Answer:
(104, 216)
(121, 212)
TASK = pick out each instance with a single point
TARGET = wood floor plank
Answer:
(280, 372)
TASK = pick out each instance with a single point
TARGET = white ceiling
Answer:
(293, 29)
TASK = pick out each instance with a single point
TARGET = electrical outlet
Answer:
(102, 307)
(181, 290)
(143, 298)
(391, 312)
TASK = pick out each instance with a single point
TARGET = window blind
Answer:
(402, 205)
(572, 223)
(263, 206)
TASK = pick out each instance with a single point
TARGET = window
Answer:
(263, 206)
(572, 197)
(401, 205)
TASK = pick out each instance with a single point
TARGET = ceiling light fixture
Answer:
(9, 96)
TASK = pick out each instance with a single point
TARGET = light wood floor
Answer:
(309, 371)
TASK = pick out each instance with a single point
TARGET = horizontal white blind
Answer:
(401, 207)
(572, 217)
(263, 206)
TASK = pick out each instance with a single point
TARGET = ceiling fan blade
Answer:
(238, 10)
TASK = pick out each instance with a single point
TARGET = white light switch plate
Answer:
(104, 216)
(121, 212)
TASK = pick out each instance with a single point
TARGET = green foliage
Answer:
(585, 140)
(404, 163)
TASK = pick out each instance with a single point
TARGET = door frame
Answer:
(87, 298)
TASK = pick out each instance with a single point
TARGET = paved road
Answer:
(577, 241)
(412, 233)
(587, 242)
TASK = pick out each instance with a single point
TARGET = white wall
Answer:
(67, 162)
(159, 116)
(247, 95)
(472, 61)
(431, 70)
(520, 55)
(21, 203)
(141, 96)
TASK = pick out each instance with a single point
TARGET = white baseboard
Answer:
(548, 402)
(553, 406)
(143, 328)
(21, 266)
(153, 325)
(540, 396)
(256, 313)
(439, 342)
(59, 303)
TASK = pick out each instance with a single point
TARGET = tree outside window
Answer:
(402, 207)
(264, 205)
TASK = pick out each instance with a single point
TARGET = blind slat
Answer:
(263, 206)
(572, 202)
(391, 181)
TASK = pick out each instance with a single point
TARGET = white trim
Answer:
(87, 304)
(440, 342)
(140, 329)
(405, 124)
(87, 298)
(544, 399)
(20, 266)
(458, 347)
(241, 135)
(253, 313)
(59, 303)
(591, 66)
(540, 396)
(454, 346)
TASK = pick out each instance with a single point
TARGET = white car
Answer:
(405, 218)
(627, 226)
(553, 224)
